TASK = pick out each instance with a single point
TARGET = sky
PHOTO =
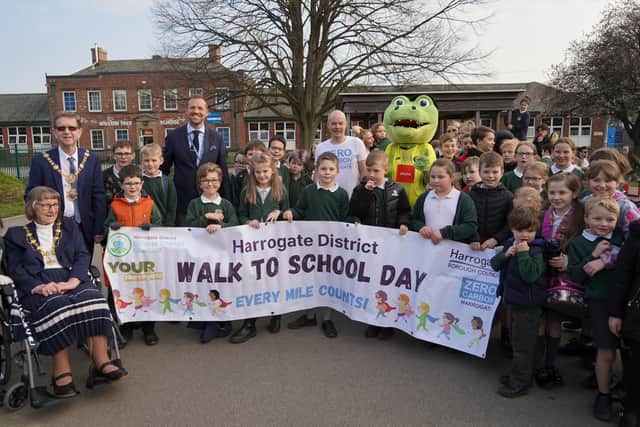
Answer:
(54, 37)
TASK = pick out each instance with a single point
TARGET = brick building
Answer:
(142, 99)
(24, 120)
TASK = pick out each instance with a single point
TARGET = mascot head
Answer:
(411, 122)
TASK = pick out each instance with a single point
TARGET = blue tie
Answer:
(74, 185)
(196, 144)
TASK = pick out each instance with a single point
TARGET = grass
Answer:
(11, 194)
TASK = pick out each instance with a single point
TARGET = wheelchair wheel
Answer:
(5, 354)
(16, 397)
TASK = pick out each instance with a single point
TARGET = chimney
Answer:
(98, 55)
(214, 52)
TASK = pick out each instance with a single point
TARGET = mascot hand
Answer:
(421, 163)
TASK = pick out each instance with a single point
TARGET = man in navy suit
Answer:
(75, 174)
(189, 146)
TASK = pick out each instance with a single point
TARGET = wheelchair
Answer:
(19, 349)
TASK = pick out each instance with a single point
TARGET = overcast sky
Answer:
(55, 36)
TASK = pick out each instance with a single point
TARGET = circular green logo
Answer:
(119, 244)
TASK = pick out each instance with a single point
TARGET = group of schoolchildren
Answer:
(521, 214)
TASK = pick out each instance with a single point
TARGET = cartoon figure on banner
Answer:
(382, 305)
(449, 321)
(423, 316)
(140, 301)
(404, 308)
(410, 126)
(188, 300)
(120, 303)
(217, 304)
(477, 330)
(166, 300)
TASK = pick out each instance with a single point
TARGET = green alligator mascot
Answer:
(410, 126)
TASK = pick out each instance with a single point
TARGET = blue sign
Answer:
(214, 118)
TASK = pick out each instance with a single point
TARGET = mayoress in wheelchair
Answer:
(49, 264)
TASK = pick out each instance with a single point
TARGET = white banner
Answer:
(442, 293)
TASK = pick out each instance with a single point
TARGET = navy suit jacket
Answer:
(91, 196)
(26, 265)
(177, 152)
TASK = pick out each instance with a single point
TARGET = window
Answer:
(171, 99)
(17, 135)
(226, 135)
(196, 91)
(486, 122)
(122, 134)
(95, 101)
(555, 124)
(288, 131)
(119, 100)
(259, 130)
(144, 100)
(1, 138)
(531, 129)
(318, 137)
(69, 101)
(97, 139)
(41, 134)
(222, 98)
(580, 130)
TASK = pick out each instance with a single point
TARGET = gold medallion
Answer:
(72, 194)
(70, 178)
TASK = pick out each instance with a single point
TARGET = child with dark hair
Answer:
(483, 139)
(278, 152)
(298, 176)
(379, 201)
(123, 155)
(523, 289)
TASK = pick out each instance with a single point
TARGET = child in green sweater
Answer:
(213, 213)
(263, 200)
(322, 201)
(592, 259)
(159, 187)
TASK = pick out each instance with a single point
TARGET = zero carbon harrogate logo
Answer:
(119, 245)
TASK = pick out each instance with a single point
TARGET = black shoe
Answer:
(150, 338)
(556, 379)
(66, 390)
(602, 407)
(543, 378)
(127, 331)
(385, 334)
(329, 329)
(629, 419)
(224, 329)
(246, 332)
(209, 332)
(372, 331)
(302, 321)
(510, 392)
(274, 325)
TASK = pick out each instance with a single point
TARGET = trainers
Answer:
(372, 331)
(602, 407)
(150, 338)
(329, 329)
(302, 321)
(510, 392)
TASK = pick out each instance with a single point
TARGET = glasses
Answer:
(132, 184)
(48, 206)
(122, 154)
(209, 181)
(69, 128)
(524, 154)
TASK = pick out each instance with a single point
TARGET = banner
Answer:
(442, 293)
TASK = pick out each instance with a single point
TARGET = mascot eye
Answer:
(398, 102)
(424, 102)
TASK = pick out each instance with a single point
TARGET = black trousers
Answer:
(631, 375)
(524, 333)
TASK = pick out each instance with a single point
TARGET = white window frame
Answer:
(121, 92)
(222, 98)
(531, 127)
(486, 121)
(93, 133)
(226, 135)
(549, 121)
(64, 100)
(121, 130)
(173, 93)
(145, 92)
(260, 132)
(92, 108)
(18, 138)
(196, 91)
(288, 131)
(42, 134)
(580, 126)
(318, 137)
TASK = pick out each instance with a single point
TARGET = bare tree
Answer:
(298, 55)
(602, 71)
